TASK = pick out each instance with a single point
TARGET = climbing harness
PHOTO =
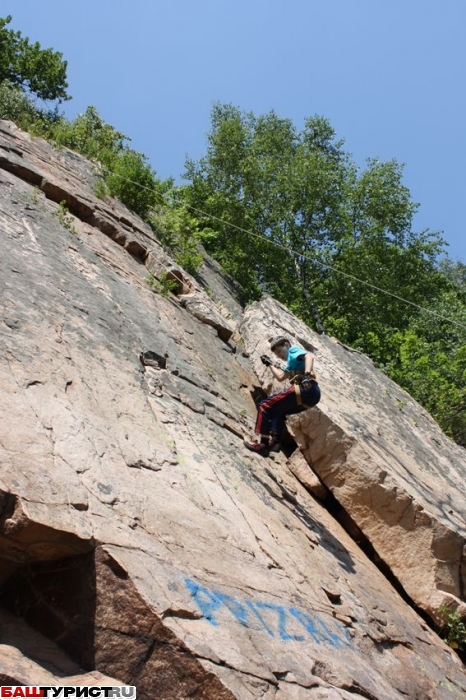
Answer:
(296, 381)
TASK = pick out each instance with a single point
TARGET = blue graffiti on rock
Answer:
(279, 621)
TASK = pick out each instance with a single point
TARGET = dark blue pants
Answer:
(273, 410)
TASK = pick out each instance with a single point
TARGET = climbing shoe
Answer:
(275, 446)
(260, 448)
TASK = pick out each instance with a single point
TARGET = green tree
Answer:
(455, 271)
(431, 364)
(131, 179)
(18, 107)
(37, 71)
(286, 188)
(294, 215)
(178, 229)
(87, 134)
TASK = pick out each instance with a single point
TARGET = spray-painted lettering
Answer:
(286, 623)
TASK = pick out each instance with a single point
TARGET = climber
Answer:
(303, 393)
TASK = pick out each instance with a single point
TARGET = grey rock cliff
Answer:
(135, 529)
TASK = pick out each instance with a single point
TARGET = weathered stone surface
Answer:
(64, 176)
(196, 568)
(29, 658)
(386, 461)
(192, 297)
(206, 312)
(225, 290)
(306, 475)
(95, 613)
(163, 267)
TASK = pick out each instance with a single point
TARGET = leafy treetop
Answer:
(41, 72)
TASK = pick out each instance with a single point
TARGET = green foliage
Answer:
(305, 209)
(41, 72)
(20, 108)
(100, 189)
(178, 230)
(453, 629)
(455, 271)
(431, 363)
(260, 175)
(131, 179)
(62, 213)
(87, 134)
(163, 286)
(16, 106)
(37, 198)
(405, 268)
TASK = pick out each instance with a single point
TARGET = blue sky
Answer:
(388, 74)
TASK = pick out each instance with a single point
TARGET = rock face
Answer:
(137, 532)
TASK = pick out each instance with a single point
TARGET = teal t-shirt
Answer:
(295, 359)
